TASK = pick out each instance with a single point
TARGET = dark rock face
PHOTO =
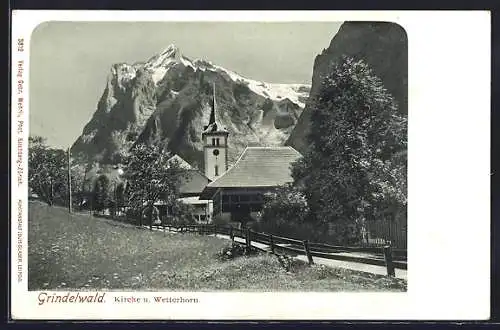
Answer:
(166, 101)
(382, 45)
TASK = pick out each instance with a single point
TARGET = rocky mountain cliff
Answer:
(382, 45)
(166, 100)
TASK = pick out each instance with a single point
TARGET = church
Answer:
(236, 192)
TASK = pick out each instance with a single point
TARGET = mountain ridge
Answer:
(166, 100)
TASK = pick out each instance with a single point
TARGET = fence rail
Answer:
(380, 256)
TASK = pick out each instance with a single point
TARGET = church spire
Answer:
(212, 123)
(212, 113)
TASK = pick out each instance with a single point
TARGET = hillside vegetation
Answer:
(76, 251)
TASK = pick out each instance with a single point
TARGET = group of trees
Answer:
(355, 168)
(107, 194)
(149, 176)
(47, 171)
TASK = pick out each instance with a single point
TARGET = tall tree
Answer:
(120, 196)
(102, 195)
(151, 176)
(356, 166)
(47, 171)
(79, 170)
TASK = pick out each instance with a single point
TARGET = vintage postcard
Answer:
(242, 165)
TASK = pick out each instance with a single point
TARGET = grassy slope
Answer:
(80, 252)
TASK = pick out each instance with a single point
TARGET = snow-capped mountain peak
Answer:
(171, 50)
(276, 92)
(171, 57)
(159, 64)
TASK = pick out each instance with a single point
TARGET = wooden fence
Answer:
(381, 232)
(385, 255)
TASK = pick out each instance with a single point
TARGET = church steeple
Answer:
(212, 113)
(214, 138)
(213, 126)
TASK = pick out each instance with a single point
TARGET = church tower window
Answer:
(216, 170)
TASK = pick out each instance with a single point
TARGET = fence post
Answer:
(271, 242)
(308, 253)
(215, 230)
(248, 240)
(231, 234)
(388, 261)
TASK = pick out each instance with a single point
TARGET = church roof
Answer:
(194, 183)
(181, 162)
(214, 128)
(257, 167)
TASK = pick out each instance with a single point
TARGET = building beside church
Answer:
(189, 193)
(238, 194)
(232, 193)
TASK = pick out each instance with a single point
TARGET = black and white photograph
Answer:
(238, 156)
(229, 167)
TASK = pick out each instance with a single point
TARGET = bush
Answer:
(101, 193)
(285, 205)
(286, 213)
(231, 251)
(133, 216)
(183, 214)
(235, 250)
(151, 214)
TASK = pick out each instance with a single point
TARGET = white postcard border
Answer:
(449, 230)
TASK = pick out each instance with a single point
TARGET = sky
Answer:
(69, 61)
